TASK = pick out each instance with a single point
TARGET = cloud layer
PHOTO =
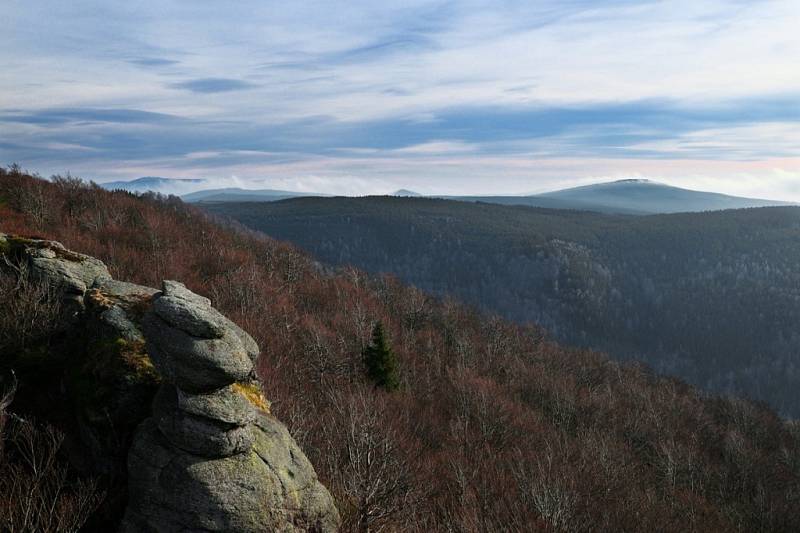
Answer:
(441, 97)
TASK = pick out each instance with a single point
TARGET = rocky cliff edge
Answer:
(208, 456)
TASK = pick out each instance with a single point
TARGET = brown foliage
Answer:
(37, 492)
(493, 429)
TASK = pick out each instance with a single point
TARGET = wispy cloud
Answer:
(213, 85)
(83, 115)
(153, 62)
(437, 147)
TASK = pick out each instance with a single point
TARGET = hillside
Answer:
(710, 297)
(628, 196)
(493, 428)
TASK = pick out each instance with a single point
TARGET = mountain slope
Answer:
(630, 196)
(551, 203)
(711, 297)
(406, 192)
(653, 197)
(494, 428)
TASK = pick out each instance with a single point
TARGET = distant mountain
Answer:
(155, 184)
(654, 197)
(235, 194)
(629, 196)
(406, 193)
(188, 190)
(550, 203)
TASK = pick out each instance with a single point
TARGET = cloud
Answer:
(437, 147)
(760, 140)
(379, 50)
(460, 137)
(516, 94)
(213, 85)
(153, 62)
(87, 115)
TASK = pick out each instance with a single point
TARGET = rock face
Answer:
(69, 273)
(212, 458)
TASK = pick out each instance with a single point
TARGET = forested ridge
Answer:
(711, 297)
(492, 427)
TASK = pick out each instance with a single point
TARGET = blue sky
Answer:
(440, 97)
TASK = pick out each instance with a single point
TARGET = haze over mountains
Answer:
(156, 184)
(236, 194)
(628, 196)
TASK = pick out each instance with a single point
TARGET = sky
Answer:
(441, 97)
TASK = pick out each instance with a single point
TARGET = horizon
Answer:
(436, 97)
(196, 185)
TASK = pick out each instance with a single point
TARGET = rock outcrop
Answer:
(210, 456)
(69, 273)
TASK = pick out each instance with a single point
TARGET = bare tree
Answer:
(34, 201)
(28, 310)
(372, 474)
(36, 491)
(6, 397)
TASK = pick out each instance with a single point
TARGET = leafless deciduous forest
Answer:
(493, 427)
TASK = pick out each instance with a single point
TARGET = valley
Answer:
(710, 297)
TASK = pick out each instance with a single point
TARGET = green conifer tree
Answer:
(380, 360)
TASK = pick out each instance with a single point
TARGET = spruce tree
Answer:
(380, 361)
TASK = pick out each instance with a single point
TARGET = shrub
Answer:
(37, 491)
